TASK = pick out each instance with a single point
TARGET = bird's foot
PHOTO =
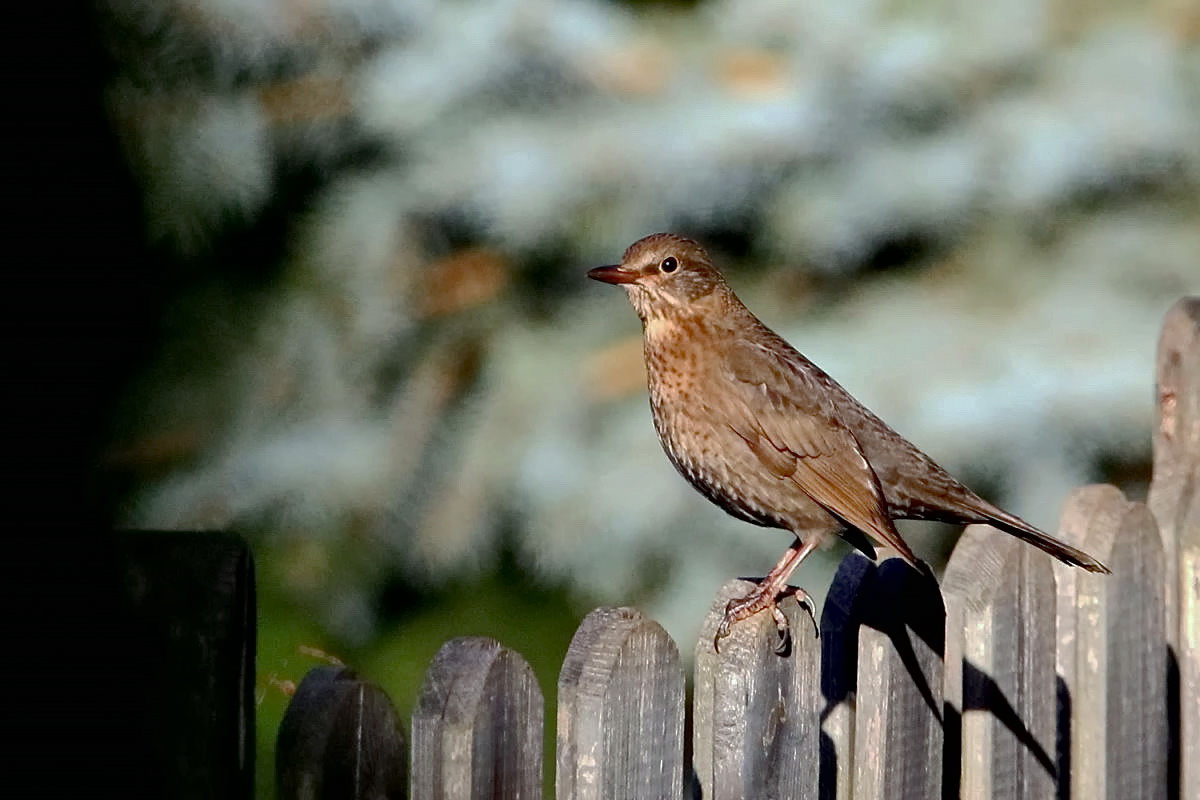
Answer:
(766, 598)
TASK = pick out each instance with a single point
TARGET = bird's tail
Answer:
(1010, 523)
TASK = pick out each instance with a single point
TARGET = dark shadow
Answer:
(951, 753)
(827, 772)
(691, 779)
(1064, 740)
(981, 693)
(1174, 731)
(903, 599)
(691, 783)
(193, 598)
(83, 303)
(892, 598)
(841, 617)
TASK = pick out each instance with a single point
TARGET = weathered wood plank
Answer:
(193, 598)
(841, 617)
(1001, 627)
(1112, 651)
(1089, 508)
(340, 739)
(756, 721)
(898, 726)
(620, 711)
(477, 728)
(1175, 500)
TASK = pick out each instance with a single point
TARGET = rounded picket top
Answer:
(477, 728)
(340, 738)
(620, 710)
(757, 721)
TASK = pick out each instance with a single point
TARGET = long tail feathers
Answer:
(1044, 541)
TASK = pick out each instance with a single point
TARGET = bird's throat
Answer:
(660, 328)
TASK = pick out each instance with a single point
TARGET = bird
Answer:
(771, 438)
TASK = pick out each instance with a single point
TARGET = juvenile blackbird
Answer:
(765, 434)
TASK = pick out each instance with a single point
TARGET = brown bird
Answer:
(765, 434)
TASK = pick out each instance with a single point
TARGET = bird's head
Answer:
(663, 274)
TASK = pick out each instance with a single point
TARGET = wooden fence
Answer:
(1017, 677)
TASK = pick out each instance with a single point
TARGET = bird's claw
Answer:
(736, 610)
(741, 608)
(806, 602)
(784, 646)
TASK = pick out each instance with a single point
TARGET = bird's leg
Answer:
(771, 589)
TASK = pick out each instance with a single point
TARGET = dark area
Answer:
(1174, 726)
(908, 251)
(446, 231)
(841, 617)
(980, 693)
(1063, 740)
(897, 253)
(547, 278)
(192, 600)
(399, 599)
(892, 598)
(728, 239)
(339, 739)
(952, 754)
(907, 601)
(90, 291)
(1129, 472)
(88, 297)
(162, 51)
(251, 252)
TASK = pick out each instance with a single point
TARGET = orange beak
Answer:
(614, 275)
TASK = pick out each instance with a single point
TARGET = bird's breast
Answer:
(695, 420)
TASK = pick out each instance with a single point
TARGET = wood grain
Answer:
(1001, 628)
(756, 723)
(340, 738)
(1112, 651)
(477, 728)
(884, 659)
(620, 711)
(1175, 500)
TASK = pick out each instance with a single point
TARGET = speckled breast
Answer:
(683, 374)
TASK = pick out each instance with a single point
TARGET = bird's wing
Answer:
(793, 427)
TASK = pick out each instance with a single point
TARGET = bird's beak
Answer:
(614, 275)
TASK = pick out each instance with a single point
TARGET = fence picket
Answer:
(1001, 626)
(1112, 651)
(620, 711)
(841, 618)
(1175, 500)
(192, 615)
(477, 728)
(756, 724)
(898, 730)
(340, 738)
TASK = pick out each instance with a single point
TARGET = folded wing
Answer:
(793, 429)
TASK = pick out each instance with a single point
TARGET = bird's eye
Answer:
(669, 264)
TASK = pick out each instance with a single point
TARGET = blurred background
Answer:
(357, 232)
